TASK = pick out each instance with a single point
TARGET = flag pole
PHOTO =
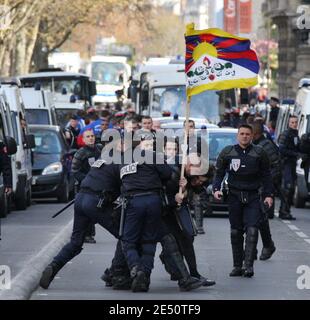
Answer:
(185, 142)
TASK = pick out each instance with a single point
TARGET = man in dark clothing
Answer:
(83, 159)
(5, 169)
(248, 171)
(275, 166)
(93, 204)
(274, 111)
(72, 132)
(289, 146)
(141, 186)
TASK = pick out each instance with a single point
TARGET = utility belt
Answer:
(141, 194)
(244, 196)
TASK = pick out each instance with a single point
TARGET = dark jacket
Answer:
(5, 166)
(248, 169)
(83, 159)
(289, 145)
(142, 177)
(103, 177)
(273, 153)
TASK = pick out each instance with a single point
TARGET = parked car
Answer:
(217, 139)
(52, 159)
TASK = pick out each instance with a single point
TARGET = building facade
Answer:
(294, 43)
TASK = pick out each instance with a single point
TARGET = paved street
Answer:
(25, 233)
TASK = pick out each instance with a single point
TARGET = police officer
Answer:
(248, 171)
(5, 169)
(83, 159)
(272, 151)
(141, 186)
(289, 145)
(93, 204)
(72, 132)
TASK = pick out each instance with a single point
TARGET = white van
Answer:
(302, 110)
(5, 139)
(39, 106)
(18, 128)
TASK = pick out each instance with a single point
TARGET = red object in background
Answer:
(238, 16)
(230, 16)
(245, 16)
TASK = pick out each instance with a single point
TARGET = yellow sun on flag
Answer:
(204, 48)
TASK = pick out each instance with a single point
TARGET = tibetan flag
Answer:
(217, 60)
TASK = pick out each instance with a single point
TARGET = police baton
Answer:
(63, 209)
(122, 218)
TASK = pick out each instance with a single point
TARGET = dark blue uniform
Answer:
(100, 178)
(289, 145)
(81, 163)
(141, 186)
(248, 170)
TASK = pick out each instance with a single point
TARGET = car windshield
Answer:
(47, 142)
(172, 99)
(108, 72)
(218, 141)
(35, 116)
(64, 115)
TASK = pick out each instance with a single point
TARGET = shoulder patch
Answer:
(98, 163)
(129, 169)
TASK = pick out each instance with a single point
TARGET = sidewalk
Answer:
(30, 239)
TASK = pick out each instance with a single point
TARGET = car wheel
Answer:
(299, 202)
(64, 192)
(29, 195)
(20, 198)
(4, 206)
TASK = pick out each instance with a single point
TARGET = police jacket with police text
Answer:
(140, 177)
(248, 169)
(289, 145)
(102, 177)
(5, 167)
(273, 153)
(83, 159)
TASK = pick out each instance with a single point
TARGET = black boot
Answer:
(121, 279)
(267, 252)
(250, 247)
(107, 278)
(140, 281)
(268, 245)
(236, 237)
(176, 265)
(48, 274)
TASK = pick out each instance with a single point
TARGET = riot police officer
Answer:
(248, 171)
(289, 144)
(81, 163)
(93, 204)
(141, 186)
(5, 168)
(272, 151)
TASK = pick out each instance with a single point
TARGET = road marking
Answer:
(302, 235)
(286, 221)
(307, 240)
(42, 294)
(292, 227)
